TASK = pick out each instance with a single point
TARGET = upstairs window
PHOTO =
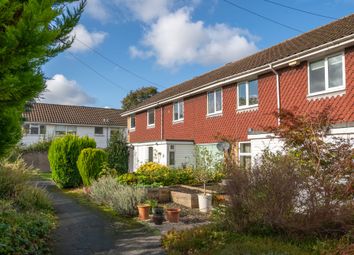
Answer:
(327, 74)
(98, 130)
(132, 122)
(247, 94)
(178, 111)
(215, 102)
(151, 118)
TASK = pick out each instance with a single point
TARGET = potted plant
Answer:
(172, 214)
(144, 210)
(203, 174)
(157, 212)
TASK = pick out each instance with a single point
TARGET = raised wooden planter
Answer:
(185, 199)
(160, 194)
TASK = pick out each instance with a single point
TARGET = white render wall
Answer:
(101, 140)
(184, 153)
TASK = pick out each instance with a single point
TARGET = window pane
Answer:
(242, 94)
(245, 161)
(172, 158)
(72, 130)
(253, 92)
(60, 130)
(218, 100)
(42, 130)
(181, 110)
(132, 121)
(175, 111)
(211, 108)
(98, 130)
(26, 128)
(34, 129)
(151, 154)
(245, 147)
(151, 116)
(335, 71)
(317, 76)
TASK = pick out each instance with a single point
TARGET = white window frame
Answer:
(214, 95)
(39, 126)
(244, 154)
(130, 124)
(147, 118)
(247, 95)
(171, 149)
(327, 89)
(178, 111)
(96, 134)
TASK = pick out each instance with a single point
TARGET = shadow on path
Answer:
(84, 230)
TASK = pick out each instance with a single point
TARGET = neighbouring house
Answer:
(238, 100)
(46, 121)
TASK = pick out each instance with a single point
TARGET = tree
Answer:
(137, 96)
(118, 152)
(31, 33)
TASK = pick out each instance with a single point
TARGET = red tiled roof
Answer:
(319, 36)
(72, 114)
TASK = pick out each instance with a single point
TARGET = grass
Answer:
(46, 176)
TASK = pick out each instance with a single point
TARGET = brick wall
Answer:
(203, 129)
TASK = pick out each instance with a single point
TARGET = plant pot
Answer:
(172, 214)
(158, 219)
(144, 212)
(157, 211)
(204, 202)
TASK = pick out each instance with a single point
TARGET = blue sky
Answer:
(167, 42)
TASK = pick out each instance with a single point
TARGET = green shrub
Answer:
(128, 178)
(63, 155)
(122, 198)
(41, 146)
(118, 152)
(90, 163)
(24, 232)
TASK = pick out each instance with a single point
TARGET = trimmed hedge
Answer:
(90, 164)
(63, 154)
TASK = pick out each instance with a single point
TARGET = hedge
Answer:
(90, 164)
(63, 154)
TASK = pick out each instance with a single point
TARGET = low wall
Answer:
(37, 160)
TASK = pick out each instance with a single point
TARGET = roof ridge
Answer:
(78, 106)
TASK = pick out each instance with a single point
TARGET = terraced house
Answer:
(308, 72)
(46, 121)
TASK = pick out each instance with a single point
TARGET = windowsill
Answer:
(326, 94)
(247, 109)
(212, 115)
(150, 126)
(178, 121)
(132, 130)
(99, 135)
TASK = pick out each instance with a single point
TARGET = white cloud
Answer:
(97, 10)
(60, 90)
(174, 39)
(146, 10)
(85, 39)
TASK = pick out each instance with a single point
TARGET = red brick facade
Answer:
(199, 127)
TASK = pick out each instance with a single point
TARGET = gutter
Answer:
(278, 90)
(330, 46)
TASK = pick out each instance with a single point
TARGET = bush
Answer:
(118, 152)
(26, 216)
(122, 198)
(90, 163)
(41, 146)
(63, 155)
(128, 179)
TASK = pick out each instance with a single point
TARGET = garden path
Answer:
(84, 230)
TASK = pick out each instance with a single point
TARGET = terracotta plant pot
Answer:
(173, 214)
(144, 212)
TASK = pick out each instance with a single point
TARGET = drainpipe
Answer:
(161, 131)
(278, 89)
